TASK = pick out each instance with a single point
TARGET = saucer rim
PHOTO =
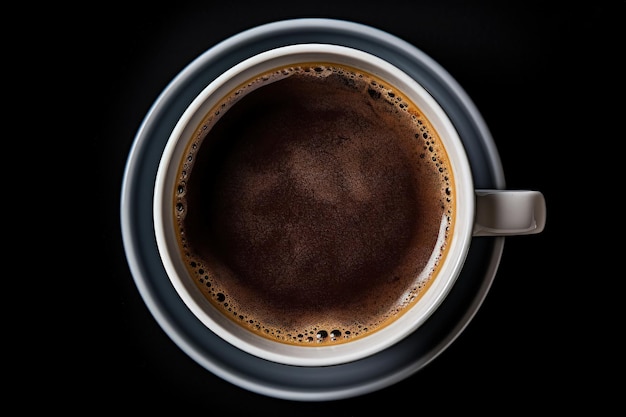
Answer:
(206, 348)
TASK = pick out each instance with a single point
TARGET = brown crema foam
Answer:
(314, 204)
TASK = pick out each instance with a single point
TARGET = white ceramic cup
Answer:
(478, 212)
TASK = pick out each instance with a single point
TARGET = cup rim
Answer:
(327, 354)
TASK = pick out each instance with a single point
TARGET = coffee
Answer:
(314, 204)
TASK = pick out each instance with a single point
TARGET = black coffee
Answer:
(314, 204)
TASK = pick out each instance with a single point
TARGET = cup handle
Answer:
(509, 212)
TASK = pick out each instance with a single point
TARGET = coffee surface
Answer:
(314, 204)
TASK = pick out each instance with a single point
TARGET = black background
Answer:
(535, 70)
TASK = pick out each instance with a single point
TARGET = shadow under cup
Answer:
(313, 205)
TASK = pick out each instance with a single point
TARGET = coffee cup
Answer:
(314, 205)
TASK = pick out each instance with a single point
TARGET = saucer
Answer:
(238, 367)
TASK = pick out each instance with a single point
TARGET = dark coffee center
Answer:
(310, 205)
